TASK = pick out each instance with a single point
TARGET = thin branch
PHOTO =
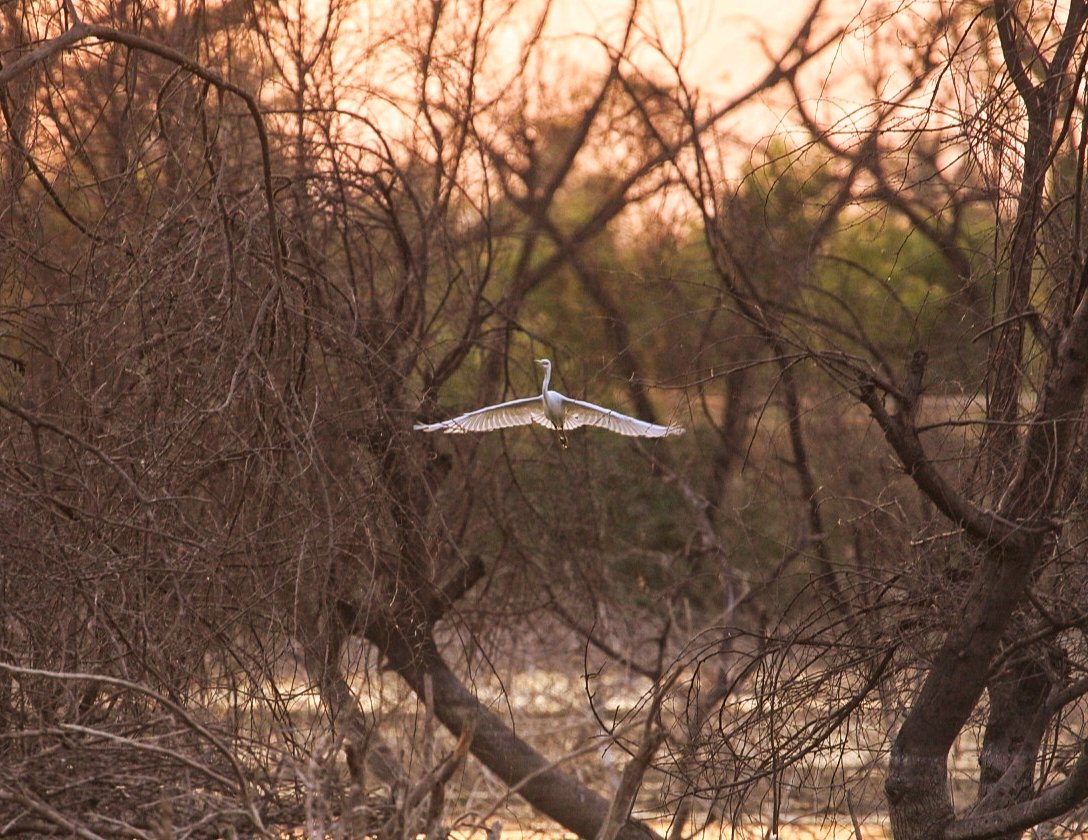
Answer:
(81, 31)
(1051, 802)
(184, 716)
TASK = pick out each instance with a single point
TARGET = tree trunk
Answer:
(1012, 736)
(919, 800)
(917, 789)
(548, 789)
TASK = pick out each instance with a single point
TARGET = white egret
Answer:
(550, 409)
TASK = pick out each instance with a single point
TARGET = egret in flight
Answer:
(550, 409)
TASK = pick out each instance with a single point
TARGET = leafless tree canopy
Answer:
(246, 246)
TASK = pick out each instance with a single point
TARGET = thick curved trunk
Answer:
(552, 792)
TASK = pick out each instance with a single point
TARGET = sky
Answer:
(721, 46)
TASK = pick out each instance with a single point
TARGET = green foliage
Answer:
(856, 276)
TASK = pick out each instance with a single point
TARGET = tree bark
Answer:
(917, 791)
(1012, 733)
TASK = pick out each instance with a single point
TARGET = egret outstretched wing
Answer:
(578, 413)
(520, 412)
(552, 410)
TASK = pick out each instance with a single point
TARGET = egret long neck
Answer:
(547, 379)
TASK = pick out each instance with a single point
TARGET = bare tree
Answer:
(972, 627)
(236, 272)
(248, 246)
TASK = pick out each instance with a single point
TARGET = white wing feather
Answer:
(521, 412)
(578, 413)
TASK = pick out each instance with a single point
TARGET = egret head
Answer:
(544, 363)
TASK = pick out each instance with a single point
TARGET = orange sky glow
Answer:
(721, 47)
